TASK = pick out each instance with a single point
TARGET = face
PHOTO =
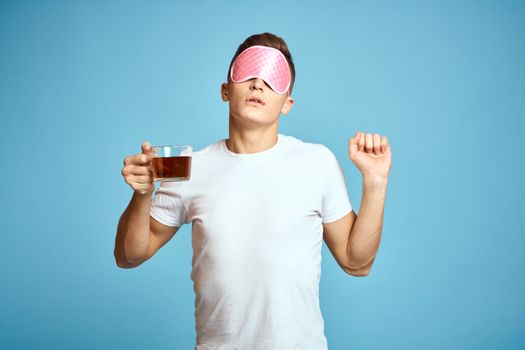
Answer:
(266, 111)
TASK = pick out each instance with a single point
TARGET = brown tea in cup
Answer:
(171, 163)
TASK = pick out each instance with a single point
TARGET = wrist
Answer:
(375, 181)
(142, 196)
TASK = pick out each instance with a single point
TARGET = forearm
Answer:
(364, 238)
(133, 231)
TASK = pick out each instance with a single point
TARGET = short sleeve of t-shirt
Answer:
(335, 200)
(167, 205)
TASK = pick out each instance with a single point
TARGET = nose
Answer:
(257, 83)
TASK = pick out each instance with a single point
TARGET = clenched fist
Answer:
(371, 154)
(137, 171)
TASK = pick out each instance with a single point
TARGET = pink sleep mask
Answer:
(266, 63)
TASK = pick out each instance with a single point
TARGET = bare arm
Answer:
(354, 239)
(139, 236)
(133, 231)
(364, 238)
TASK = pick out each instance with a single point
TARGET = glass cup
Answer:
(171, 162)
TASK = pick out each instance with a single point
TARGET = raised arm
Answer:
(139, 236)
(354, 240)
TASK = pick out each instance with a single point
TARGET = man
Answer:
(260, 204)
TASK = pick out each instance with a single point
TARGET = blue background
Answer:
(83, 84)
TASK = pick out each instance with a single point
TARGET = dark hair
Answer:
(266, 39)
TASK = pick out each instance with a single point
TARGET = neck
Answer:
(254, 140)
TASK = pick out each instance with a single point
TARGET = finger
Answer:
(377, 144)
(143, 179)
(361, 143)
(137, 180)
(140, 159)
(369, 143)
(137, 170)
(128, 160)
(137, 159)
(384, 144)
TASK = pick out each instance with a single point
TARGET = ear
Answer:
(287, 106)
(224, 92)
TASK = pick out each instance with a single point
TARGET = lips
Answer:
(256, 99)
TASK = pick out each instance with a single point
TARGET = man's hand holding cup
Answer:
(137, 171)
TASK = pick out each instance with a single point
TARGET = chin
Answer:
(254, 118)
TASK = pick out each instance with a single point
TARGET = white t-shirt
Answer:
(257, 236)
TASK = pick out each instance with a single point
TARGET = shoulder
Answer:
(310, 148)
(207, 150)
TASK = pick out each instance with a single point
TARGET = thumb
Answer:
(352, 143)
(355, 140)
(146, 148)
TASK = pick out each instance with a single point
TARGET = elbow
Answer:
(358, 272)
(361, 271)
(124, 263)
